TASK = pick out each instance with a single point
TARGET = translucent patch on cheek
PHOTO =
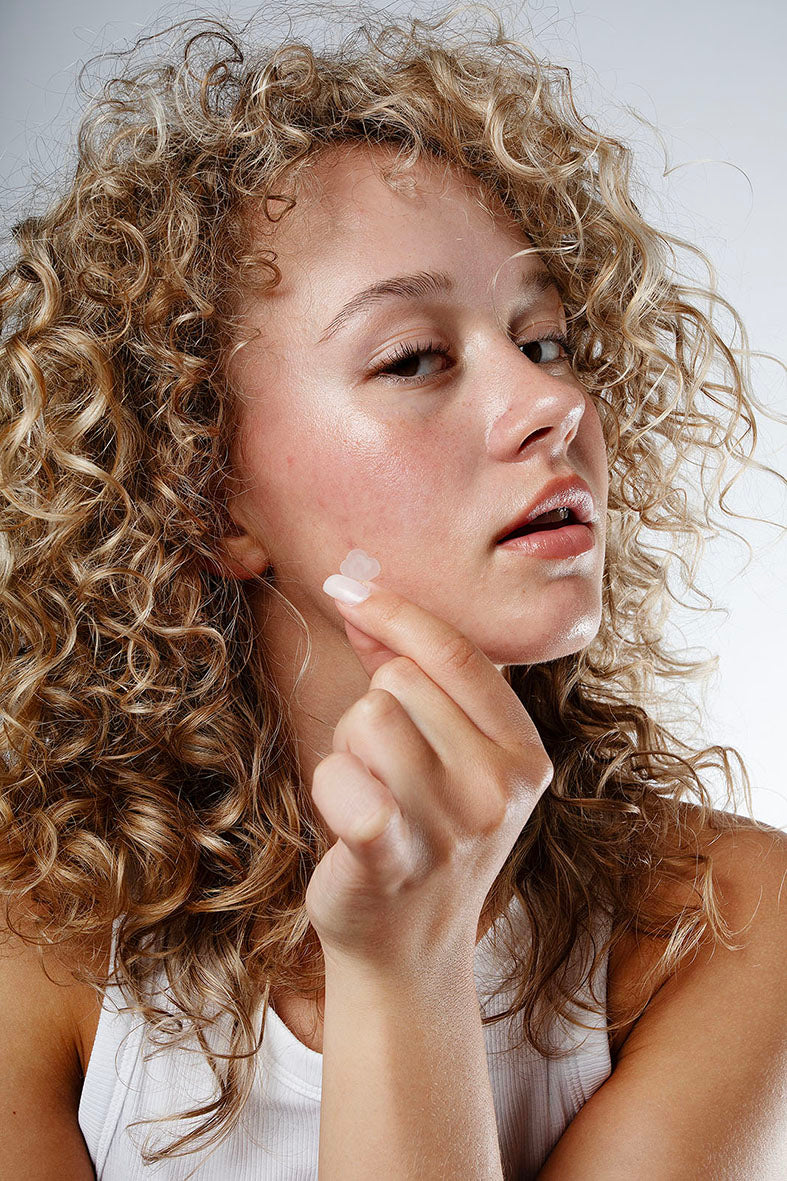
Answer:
(358, 564)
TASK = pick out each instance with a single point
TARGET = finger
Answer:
(379, 731)
(369, 651)
(359, 810)
(355, 805)
(449, 658)
(438, 765)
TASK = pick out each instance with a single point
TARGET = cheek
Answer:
(320, 488)
(592, 427)
(361, 484)
(420, 475)
(380, 487)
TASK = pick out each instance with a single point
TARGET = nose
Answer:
(543, 407)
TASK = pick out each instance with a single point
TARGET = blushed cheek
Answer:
(325, 490)
(320, 498)
(365, 498)
(394, 491)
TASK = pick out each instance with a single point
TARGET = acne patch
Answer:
(360, 565)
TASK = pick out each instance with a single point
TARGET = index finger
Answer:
(446, 655)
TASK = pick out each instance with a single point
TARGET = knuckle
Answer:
(321, 769)
(374, 707)
(547, 775)
(373, 827)
(401, 670)
(377, 703)
(326, 767)
(458, 653)
(527, 775)
(339, 738)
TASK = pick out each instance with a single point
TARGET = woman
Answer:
(425, 889)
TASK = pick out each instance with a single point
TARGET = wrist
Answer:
(367, 987)
(399, 962)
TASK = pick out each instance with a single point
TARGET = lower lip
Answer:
(565, 542)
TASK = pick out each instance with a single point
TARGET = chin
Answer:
(549, 645)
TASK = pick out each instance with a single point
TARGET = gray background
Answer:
(710, 76)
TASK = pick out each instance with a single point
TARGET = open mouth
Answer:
(556, 519)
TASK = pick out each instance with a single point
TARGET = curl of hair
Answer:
(150, 770)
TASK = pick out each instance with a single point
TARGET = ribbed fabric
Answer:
(278, 1135)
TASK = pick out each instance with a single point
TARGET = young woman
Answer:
(406, 885)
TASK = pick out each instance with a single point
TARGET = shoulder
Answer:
(749, 871)
(51, 1006)
(40, 1073)
(698, 1084)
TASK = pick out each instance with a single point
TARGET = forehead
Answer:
(347, 183)
(350, 221)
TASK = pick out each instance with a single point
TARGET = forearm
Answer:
(406, 1094)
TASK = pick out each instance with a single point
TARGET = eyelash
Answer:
(404, 351)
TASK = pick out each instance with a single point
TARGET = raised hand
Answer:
(433, 774)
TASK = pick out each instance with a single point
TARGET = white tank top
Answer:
(277, 1138)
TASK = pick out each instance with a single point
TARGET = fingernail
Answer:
(346, 586)
(347, 590)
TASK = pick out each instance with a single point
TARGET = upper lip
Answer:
(565, 492)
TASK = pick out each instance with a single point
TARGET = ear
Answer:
(243, 556)
(241, 553)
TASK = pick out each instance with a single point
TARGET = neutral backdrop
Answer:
(709, 77)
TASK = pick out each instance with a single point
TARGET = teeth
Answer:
(558, 514)
(555, 517)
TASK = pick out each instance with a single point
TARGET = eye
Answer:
(550, 340)
(405, 354)
(545, 349)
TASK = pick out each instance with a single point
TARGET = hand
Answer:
(434, 773)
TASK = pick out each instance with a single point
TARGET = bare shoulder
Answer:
(698, 1084)
(747, 862)
(40, 1062)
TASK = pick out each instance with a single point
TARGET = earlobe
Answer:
(242, 556)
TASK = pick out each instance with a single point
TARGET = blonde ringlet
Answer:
(149, 766)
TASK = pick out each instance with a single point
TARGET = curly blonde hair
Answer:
(150, 772)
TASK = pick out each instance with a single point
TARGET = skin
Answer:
(421, 474)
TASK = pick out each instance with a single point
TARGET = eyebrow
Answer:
(422, 284)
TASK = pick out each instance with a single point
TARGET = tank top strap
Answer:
(113, 942)
(113, 991)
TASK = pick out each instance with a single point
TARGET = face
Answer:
(422, 461)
